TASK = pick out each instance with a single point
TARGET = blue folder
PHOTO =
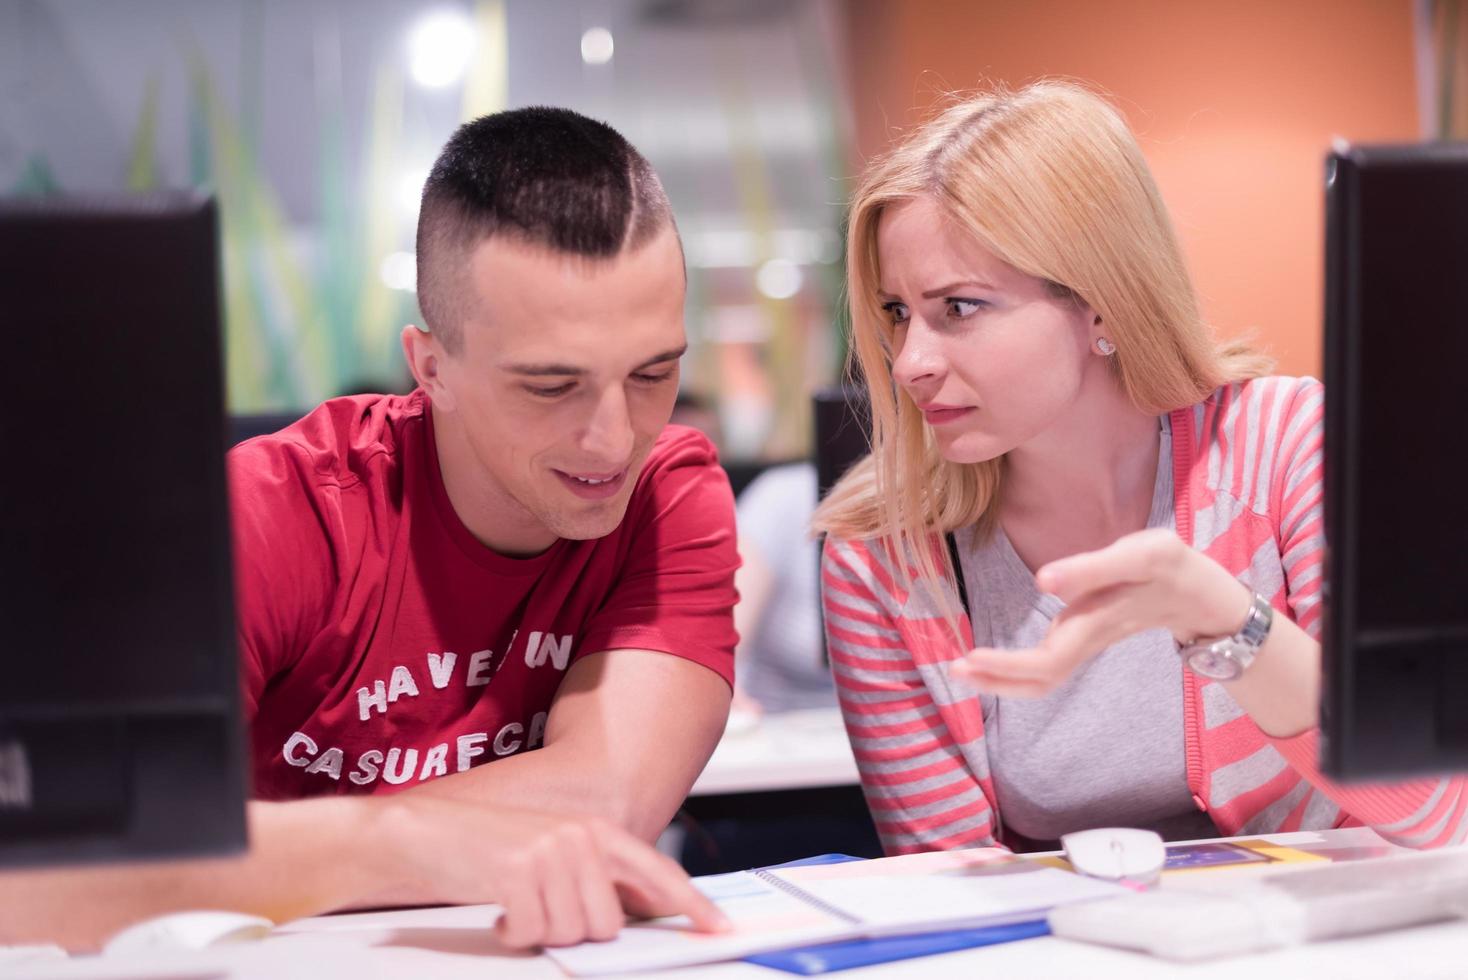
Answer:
(830, 957)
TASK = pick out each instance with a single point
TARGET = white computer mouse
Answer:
(187, 930)
(1122, 854)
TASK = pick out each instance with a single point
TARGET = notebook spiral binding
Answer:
(793, 891)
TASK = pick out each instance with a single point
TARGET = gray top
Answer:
(1105, 749)
(782, 664)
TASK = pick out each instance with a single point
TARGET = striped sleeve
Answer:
(918, 782)
(1298, 497)
(1419, 813)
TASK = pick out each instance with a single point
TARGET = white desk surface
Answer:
(452, 943)
(791, 750)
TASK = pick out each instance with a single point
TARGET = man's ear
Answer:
(426, 357)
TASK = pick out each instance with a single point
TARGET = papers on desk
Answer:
(775, 909)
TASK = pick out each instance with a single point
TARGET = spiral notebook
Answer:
(783, 908)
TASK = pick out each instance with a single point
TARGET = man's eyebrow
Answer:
(663, 358)
(542, 370)
(567, 370)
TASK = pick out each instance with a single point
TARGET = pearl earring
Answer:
(1105, 347)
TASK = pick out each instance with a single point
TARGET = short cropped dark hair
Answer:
(548, 177)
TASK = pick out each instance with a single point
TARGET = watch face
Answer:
(1215, 663)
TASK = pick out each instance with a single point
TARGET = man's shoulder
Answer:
(681, 445)
(337, 444)
(681, 456)
(681, 481)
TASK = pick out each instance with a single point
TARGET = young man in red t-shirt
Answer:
(518, 555)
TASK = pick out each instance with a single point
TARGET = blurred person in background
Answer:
(781, 659)
(781, 667)
(697, 412)
(781, 654)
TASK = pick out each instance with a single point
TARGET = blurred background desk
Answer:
(792, 750)
(781, 788)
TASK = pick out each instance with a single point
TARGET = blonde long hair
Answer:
(1050, 180)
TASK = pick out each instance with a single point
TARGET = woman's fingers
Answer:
(1143, 581)
(1001, 685)
(1096, 621)
(1133, 559)
(1079, 633)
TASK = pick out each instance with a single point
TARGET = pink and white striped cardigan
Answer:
(1248, 485)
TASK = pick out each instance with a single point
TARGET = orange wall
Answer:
(1234, 103)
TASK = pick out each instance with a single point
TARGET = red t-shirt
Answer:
(383, 645)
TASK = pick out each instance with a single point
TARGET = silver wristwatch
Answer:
(1227, 658)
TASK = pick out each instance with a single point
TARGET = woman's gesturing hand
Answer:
(1147, 580)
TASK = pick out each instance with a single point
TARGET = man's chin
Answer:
(589, 526)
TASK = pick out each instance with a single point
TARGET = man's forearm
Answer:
(304, 858)
(551, 780)
(562, 879)
(311, 856)
(629, 733)
(561, 779)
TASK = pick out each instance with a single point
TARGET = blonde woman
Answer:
(1077, 583)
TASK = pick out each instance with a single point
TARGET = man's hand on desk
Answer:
(561, 879)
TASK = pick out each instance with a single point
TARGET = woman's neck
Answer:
(1083, 483)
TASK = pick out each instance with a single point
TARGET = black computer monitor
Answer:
(119, 698)
(1396, 461)
(843, 424)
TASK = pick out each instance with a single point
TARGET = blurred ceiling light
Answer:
(400, 271)
(778, 279)
(732, 248)
(596, 46)
(438, 48)
(686, 128)
(714, 14)
(828, 246)
(410, 191)
(737, 323)
(720, 249)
